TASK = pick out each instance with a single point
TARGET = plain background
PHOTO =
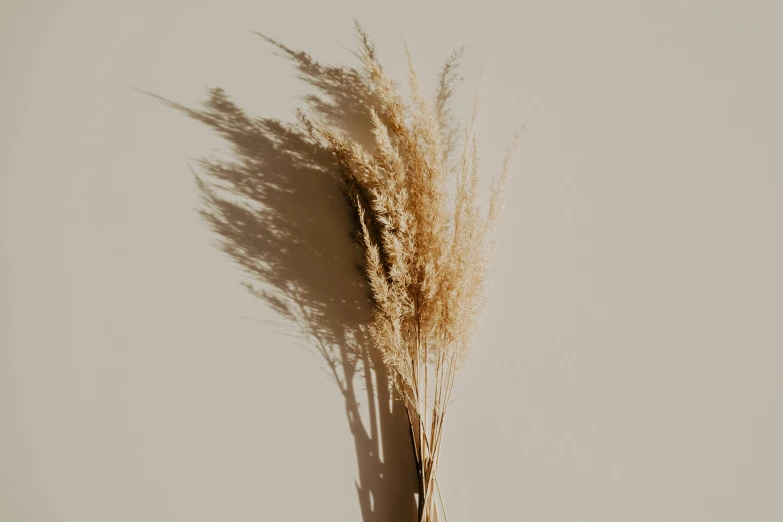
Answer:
(629, 367)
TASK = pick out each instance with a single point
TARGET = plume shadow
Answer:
(277, 209)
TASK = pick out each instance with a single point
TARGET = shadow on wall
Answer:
(278, 211)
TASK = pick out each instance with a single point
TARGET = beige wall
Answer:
(629, 367)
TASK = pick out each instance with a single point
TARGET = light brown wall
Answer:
(629, 367)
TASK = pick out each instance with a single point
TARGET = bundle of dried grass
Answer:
(426, 253)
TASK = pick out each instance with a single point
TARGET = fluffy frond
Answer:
(426, 255)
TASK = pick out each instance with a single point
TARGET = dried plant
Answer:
(426, 252)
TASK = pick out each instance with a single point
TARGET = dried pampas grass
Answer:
(426, 252)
